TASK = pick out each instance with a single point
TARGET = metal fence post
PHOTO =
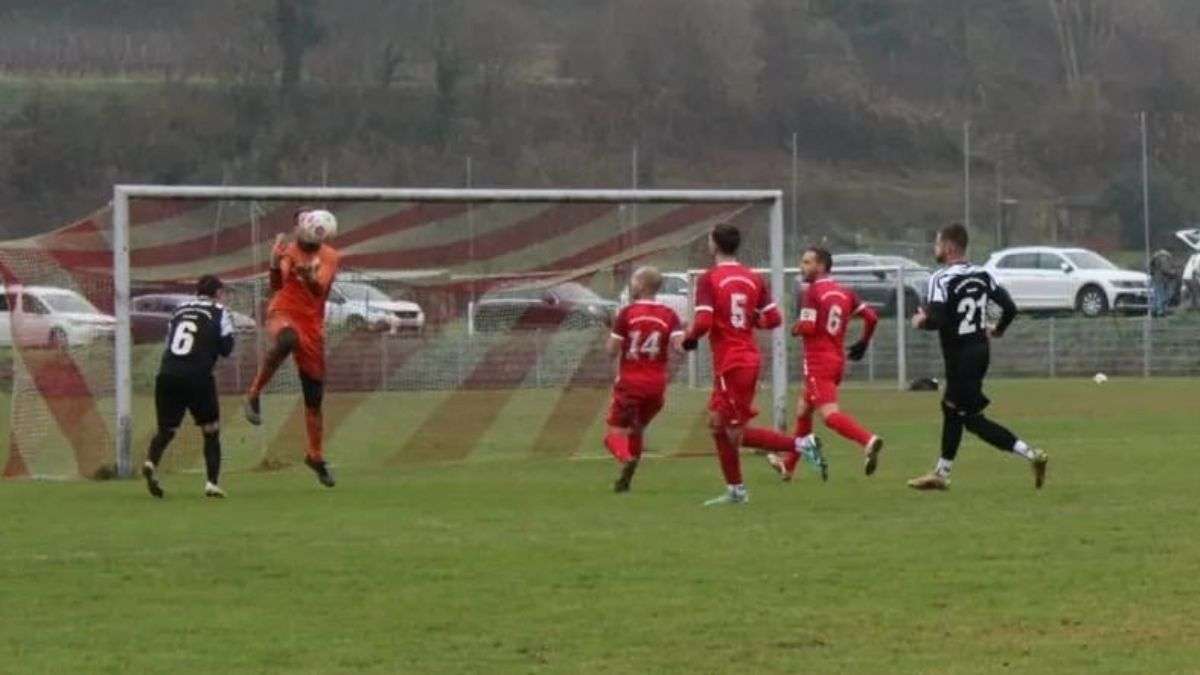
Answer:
(383, 361)
(901, 338)
(871, 364)
(1146, 339)
(1053, 347)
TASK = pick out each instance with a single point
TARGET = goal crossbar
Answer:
(265, 193)
(124, 193)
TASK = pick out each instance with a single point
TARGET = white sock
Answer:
(735, 489)
(803, 442)
(943, 467)
(1022, 448)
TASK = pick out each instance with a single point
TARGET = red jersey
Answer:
(645, 329)
(304, 302)
(825, 312)
(738, 301)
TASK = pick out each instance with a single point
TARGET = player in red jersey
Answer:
(641, 337)
(302, 273)
(825, 314)
(731, 302)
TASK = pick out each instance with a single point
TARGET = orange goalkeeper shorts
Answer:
(310, 347)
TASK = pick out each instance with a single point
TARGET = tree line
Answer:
(557, 92)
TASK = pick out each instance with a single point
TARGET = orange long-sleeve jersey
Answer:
(303, 299)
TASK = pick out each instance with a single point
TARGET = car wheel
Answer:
(58, 339)
(1091, 301)
(356, 323)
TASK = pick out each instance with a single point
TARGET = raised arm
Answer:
(281, 263)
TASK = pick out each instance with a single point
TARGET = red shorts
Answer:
(821, 389)
(733, 396)
(633, 409)
(310, 347)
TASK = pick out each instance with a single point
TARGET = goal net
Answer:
(465, 324)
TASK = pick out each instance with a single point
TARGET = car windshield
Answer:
(575, 293)
(362, 292)
(897, 261)
(1087, 260)
(571, 292)
(69, 303)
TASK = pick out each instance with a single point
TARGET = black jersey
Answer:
(958, 298)
(199, 332)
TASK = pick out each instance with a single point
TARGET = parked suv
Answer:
(359, 306)
(52, 317)
(877, 287)
(1047, 278)
(1190, 275)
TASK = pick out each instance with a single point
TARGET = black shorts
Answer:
(966, 366)
(176, 394)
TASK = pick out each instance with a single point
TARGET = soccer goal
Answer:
(465, 323)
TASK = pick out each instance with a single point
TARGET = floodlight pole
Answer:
(122, 344)
(1146, 335)
(967, 175)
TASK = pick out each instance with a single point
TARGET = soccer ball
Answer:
(1100, 378)
(314, 227)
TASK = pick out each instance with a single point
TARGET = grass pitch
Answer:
(510, 564)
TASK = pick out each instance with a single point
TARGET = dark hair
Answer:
(208, 285)
(956, 234)
(823, 255)
(727, 238)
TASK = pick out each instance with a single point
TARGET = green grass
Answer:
(509, 564)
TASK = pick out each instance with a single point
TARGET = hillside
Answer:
(558, 93)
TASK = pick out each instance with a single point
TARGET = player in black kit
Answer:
(200, 331)
(958, 298)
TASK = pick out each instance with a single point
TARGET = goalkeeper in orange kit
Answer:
(302, 273)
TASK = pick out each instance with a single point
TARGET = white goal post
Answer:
(124, 194)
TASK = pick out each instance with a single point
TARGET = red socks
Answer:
(635, 446)
(767, 439)
(313, 425)
(804, 425)
(727, 454)
(846, 427)
(618, 445)
(624, 448)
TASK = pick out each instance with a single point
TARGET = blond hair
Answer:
(647, 280)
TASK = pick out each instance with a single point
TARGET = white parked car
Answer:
(673, 294)
(358, 306)
(1191, 268)
(1048, 278)
(36, 316)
